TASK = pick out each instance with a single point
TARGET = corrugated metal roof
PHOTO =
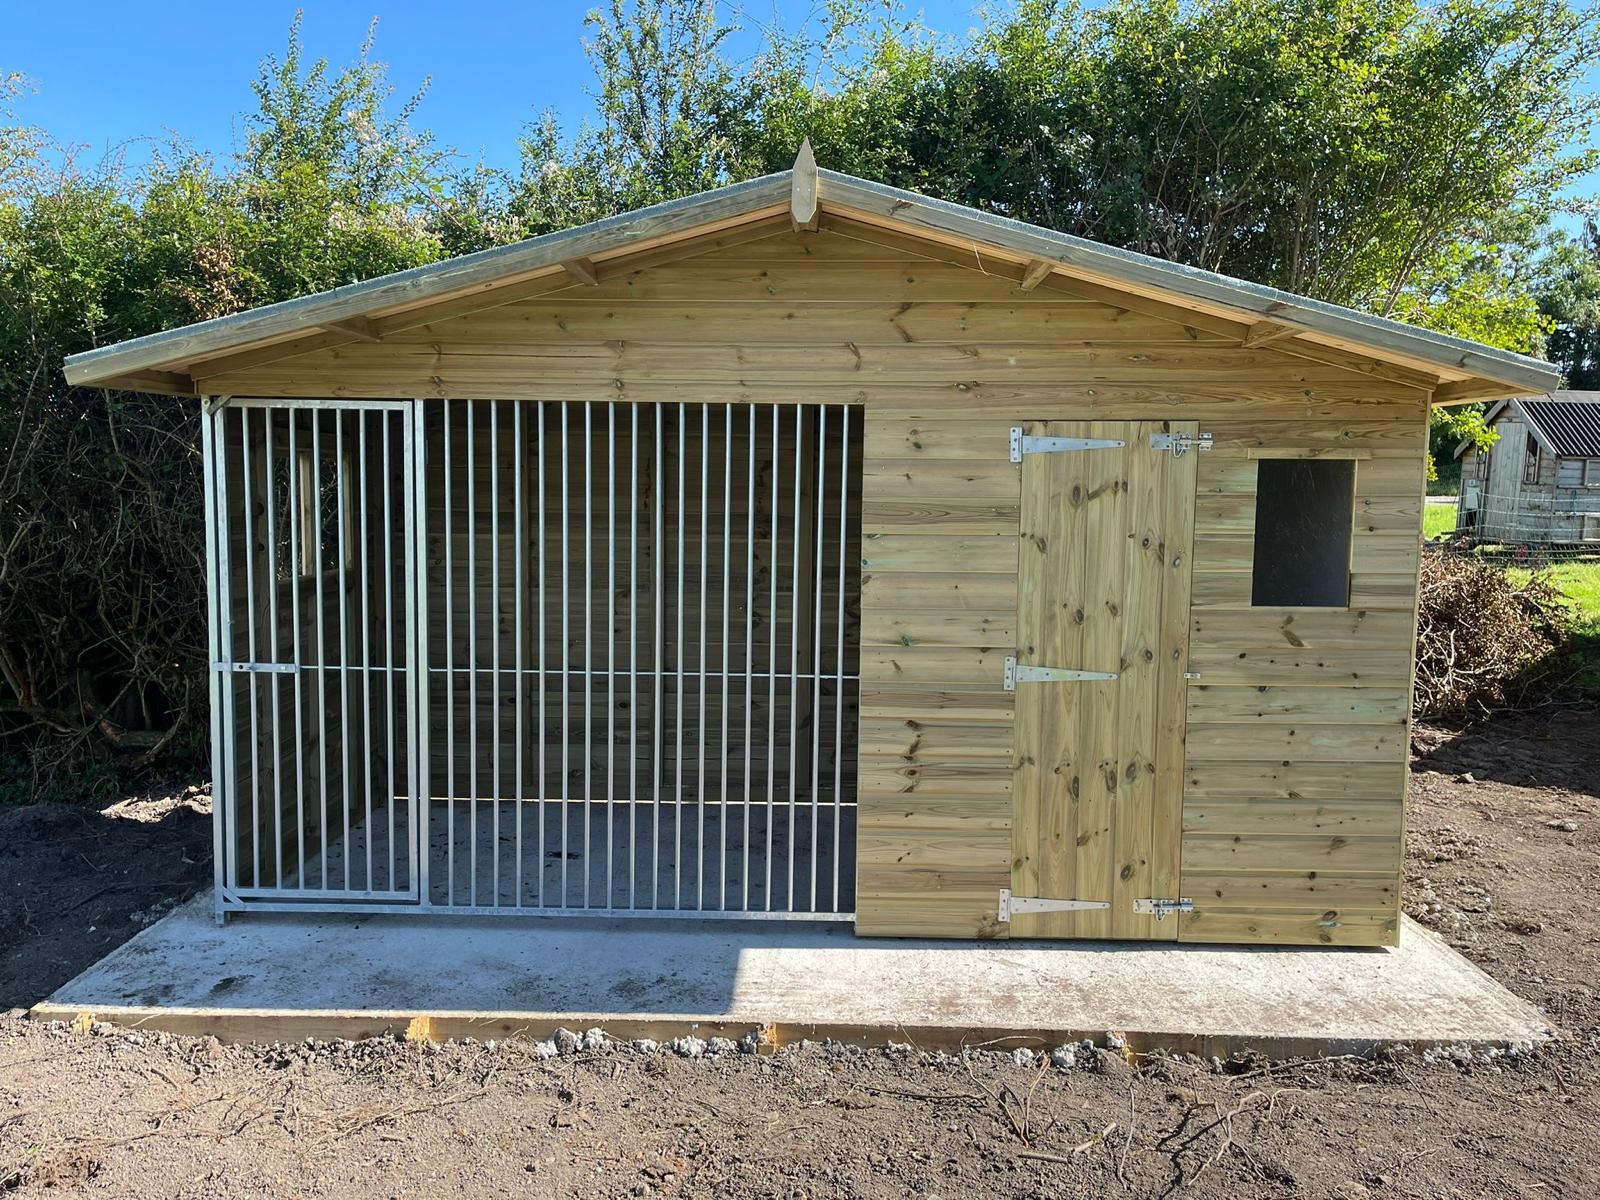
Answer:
(1567, 423)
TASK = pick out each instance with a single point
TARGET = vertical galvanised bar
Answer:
(633, 660)
(566, 644)
(678, 662)
(544, 697)
(248, 497)
(342, 492)
(419, 824)
(611, 648)
(387, 478)
(839, 663)
(658, 591)
(819, 543)
(495, 789)
(474, 749)
(727, 581)
(448, 468)
(323, 730)
(213, 466)
(297, 574)
(518, 532)
(271, 566)
(749, 647)
(772, 652)
(588, 674)
(794, 635)
(705, 553)
(363, 538)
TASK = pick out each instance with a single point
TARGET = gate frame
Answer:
(229, 897)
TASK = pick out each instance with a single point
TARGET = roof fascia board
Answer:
(485, 268)
(1261, 302)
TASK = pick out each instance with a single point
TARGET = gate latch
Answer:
(1160, 908)
(1027, 444)
(1180, 443)
(1016, 673)
(1031, 904)
(255, 668)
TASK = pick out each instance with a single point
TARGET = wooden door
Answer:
(1103, 587)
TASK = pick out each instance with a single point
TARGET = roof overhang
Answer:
(165, 362)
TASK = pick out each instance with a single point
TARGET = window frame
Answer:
(1591, 466)
(1531, 459)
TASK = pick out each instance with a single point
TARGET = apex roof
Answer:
(164, 362)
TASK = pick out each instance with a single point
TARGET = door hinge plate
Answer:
(1038, 904)
(255, 668)
(1180, 444)
(1022, 443)
(1016, 673)
(1160, 908)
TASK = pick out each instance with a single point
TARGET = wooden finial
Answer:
(803, 188)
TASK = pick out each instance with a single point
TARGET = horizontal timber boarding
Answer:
(944, 360)
(1298, 726)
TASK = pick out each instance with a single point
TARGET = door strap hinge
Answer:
(1160, 908)
(1016, 673)
(255, 668)
(1027, 444)
(1030, 904)
(1180, 443)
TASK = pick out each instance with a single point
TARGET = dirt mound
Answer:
(76, 883)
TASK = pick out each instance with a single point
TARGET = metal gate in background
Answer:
(613, 648)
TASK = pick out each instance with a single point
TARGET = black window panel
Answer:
(1304, 511)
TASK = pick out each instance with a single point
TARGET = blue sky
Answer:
(495, 65)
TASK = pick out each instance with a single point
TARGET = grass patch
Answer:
(1579, 585)
(1437, 519)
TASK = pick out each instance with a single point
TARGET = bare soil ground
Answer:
(1503, 860)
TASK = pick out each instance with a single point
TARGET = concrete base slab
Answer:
(266, 977)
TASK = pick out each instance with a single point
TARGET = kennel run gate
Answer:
(493, 656)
